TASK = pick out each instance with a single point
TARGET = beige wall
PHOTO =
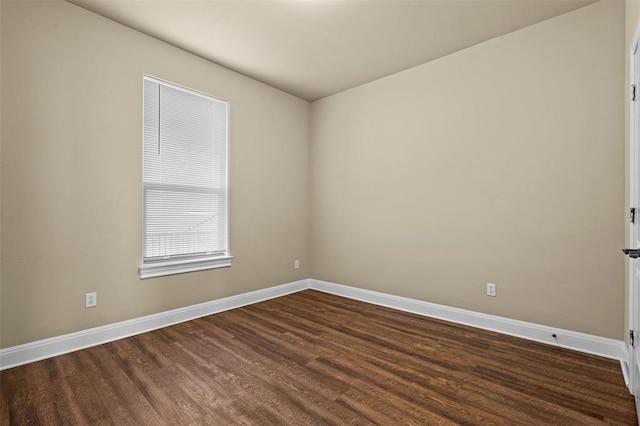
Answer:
(501, 163)
(71, 174)
(0, 174)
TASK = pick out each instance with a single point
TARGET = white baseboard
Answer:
(595, 345)
(47, 348)
(625, 373)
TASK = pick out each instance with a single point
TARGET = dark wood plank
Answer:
(76, 398)
(120, 396)
(172, 404)
(315, 358)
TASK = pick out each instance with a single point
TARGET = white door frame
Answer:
(634, 174)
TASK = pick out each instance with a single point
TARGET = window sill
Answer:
(159, 269)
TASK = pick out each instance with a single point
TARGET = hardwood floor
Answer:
(314, 358)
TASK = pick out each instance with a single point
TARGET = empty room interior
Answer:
(319, 212)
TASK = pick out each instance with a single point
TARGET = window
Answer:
(185, 224)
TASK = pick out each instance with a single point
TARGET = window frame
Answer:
(177, 264)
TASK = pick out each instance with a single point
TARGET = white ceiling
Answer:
(316, 48)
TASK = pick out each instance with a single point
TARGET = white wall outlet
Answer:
(491, 289)
(91, 300)
(296, 264)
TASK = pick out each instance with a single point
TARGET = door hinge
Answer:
(633, 92)
(632, 338)
(632, 215)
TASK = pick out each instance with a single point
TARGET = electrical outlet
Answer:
(91, 300)
(296, 264)
(491, 289)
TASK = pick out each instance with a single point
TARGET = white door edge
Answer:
(634, 125)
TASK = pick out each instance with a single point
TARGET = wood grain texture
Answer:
(314, 358)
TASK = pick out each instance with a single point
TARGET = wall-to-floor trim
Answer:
(47, 348)
(624, 365)
(602, 346)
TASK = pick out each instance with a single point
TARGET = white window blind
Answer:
(184, 180)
